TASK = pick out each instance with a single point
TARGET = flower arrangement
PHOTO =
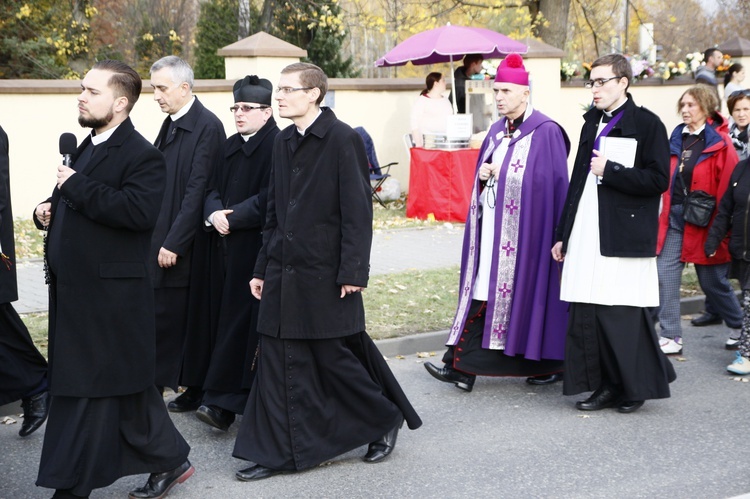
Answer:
(725, 63)
(568, 70)
(694, 60)
(641, 68)
(671, 70)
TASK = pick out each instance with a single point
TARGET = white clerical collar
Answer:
(246, 137)
(302, 132)
(182, 112)
(97, 139)
(612, 112)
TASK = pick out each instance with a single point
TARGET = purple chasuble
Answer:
(524, 313)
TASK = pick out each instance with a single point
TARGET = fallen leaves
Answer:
(7, 420)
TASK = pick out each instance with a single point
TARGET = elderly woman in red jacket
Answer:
(703, 159)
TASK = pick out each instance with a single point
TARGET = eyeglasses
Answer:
(289, 90)
(737, 93)
(599, 82)
(246, 109)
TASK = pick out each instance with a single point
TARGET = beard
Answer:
(95, 123)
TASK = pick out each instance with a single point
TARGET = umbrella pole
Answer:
(453, 87)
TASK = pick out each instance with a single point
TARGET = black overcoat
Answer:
(8, 279)
(628, 197)
(22, 367)
(240, 184)
(101, 323)
(192, 151)
(318, 233)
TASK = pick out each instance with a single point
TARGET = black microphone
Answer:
(68, 146)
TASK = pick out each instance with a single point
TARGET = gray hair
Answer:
(181, 70)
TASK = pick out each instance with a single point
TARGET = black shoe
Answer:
(601, 399)
(189, 400)
(66, 494)
(449, 375)
(547, 379)
(215, 416)
(382, 447)
(256, 472)
(159, 484)
(630, 406)
(35, 410)
(705, 320)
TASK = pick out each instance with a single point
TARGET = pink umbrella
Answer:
(450, 42)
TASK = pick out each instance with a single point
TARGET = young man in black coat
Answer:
(234, 211)
(23, 370)
(106, 419)
(322, 388)
(191, 139)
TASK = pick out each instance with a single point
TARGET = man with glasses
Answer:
(234, 211)
(191, 139)
(607, 237)
(322, 388)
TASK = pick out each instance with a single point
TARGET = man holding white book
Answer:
(607, 236)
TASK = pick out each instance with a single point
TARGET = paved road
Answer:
(505, 439)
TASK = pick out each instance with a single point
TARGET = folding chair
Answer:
(378, 174)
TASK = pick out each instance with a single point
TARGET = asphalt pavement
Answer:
(504, 439)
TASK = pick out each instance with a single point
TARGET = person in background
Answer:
(23, 370)
(706, 74)
(733, 79)
(234, 211)
(607, 236)
(322, 388)
(733, 217)
(510, 320)
(191, 138)
(702, 158)
(107, 419)
(472, 65)
(430, 112)
(739, 107)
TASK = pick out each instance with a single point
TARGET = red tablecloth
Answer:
(440, 183)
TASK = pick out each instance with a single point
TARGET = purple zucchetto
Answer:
(253, 89)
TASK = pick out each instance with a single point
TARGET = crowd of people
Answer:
(234, 268)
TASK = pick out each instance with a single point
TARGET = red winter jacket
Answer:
(711, 174)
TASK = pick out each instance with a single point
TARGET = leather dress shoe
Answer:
(189, 400)
(602, 398)
(35, 410)
(215, 416)
(255, 472)
(630, 406)
(159, 484)
(705, 320)
(547, 379)
(449, 375)
(382, 447)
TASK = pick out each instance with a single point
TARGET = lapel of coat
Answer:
(101, 152)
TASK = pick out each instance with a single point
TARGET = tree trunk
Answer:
(555, 12)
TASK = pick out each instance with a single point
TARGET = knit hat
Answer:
(512, 70)
(253, 89)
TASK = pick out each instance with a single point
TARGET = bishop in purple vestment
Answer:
(510, 320)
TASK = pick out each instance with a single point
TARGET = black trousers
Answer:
(617, 346)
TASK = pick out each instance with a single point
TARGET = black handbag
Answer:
(698, 208)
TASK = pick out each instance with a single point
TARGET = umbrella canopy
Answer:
(449, 43)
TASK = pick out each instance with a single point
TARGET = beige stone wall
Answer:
(35, 113)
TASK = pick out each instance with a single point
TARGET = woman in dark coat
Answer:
(734, 217)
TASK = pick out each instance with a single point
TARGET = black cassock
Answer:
(240, 184)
